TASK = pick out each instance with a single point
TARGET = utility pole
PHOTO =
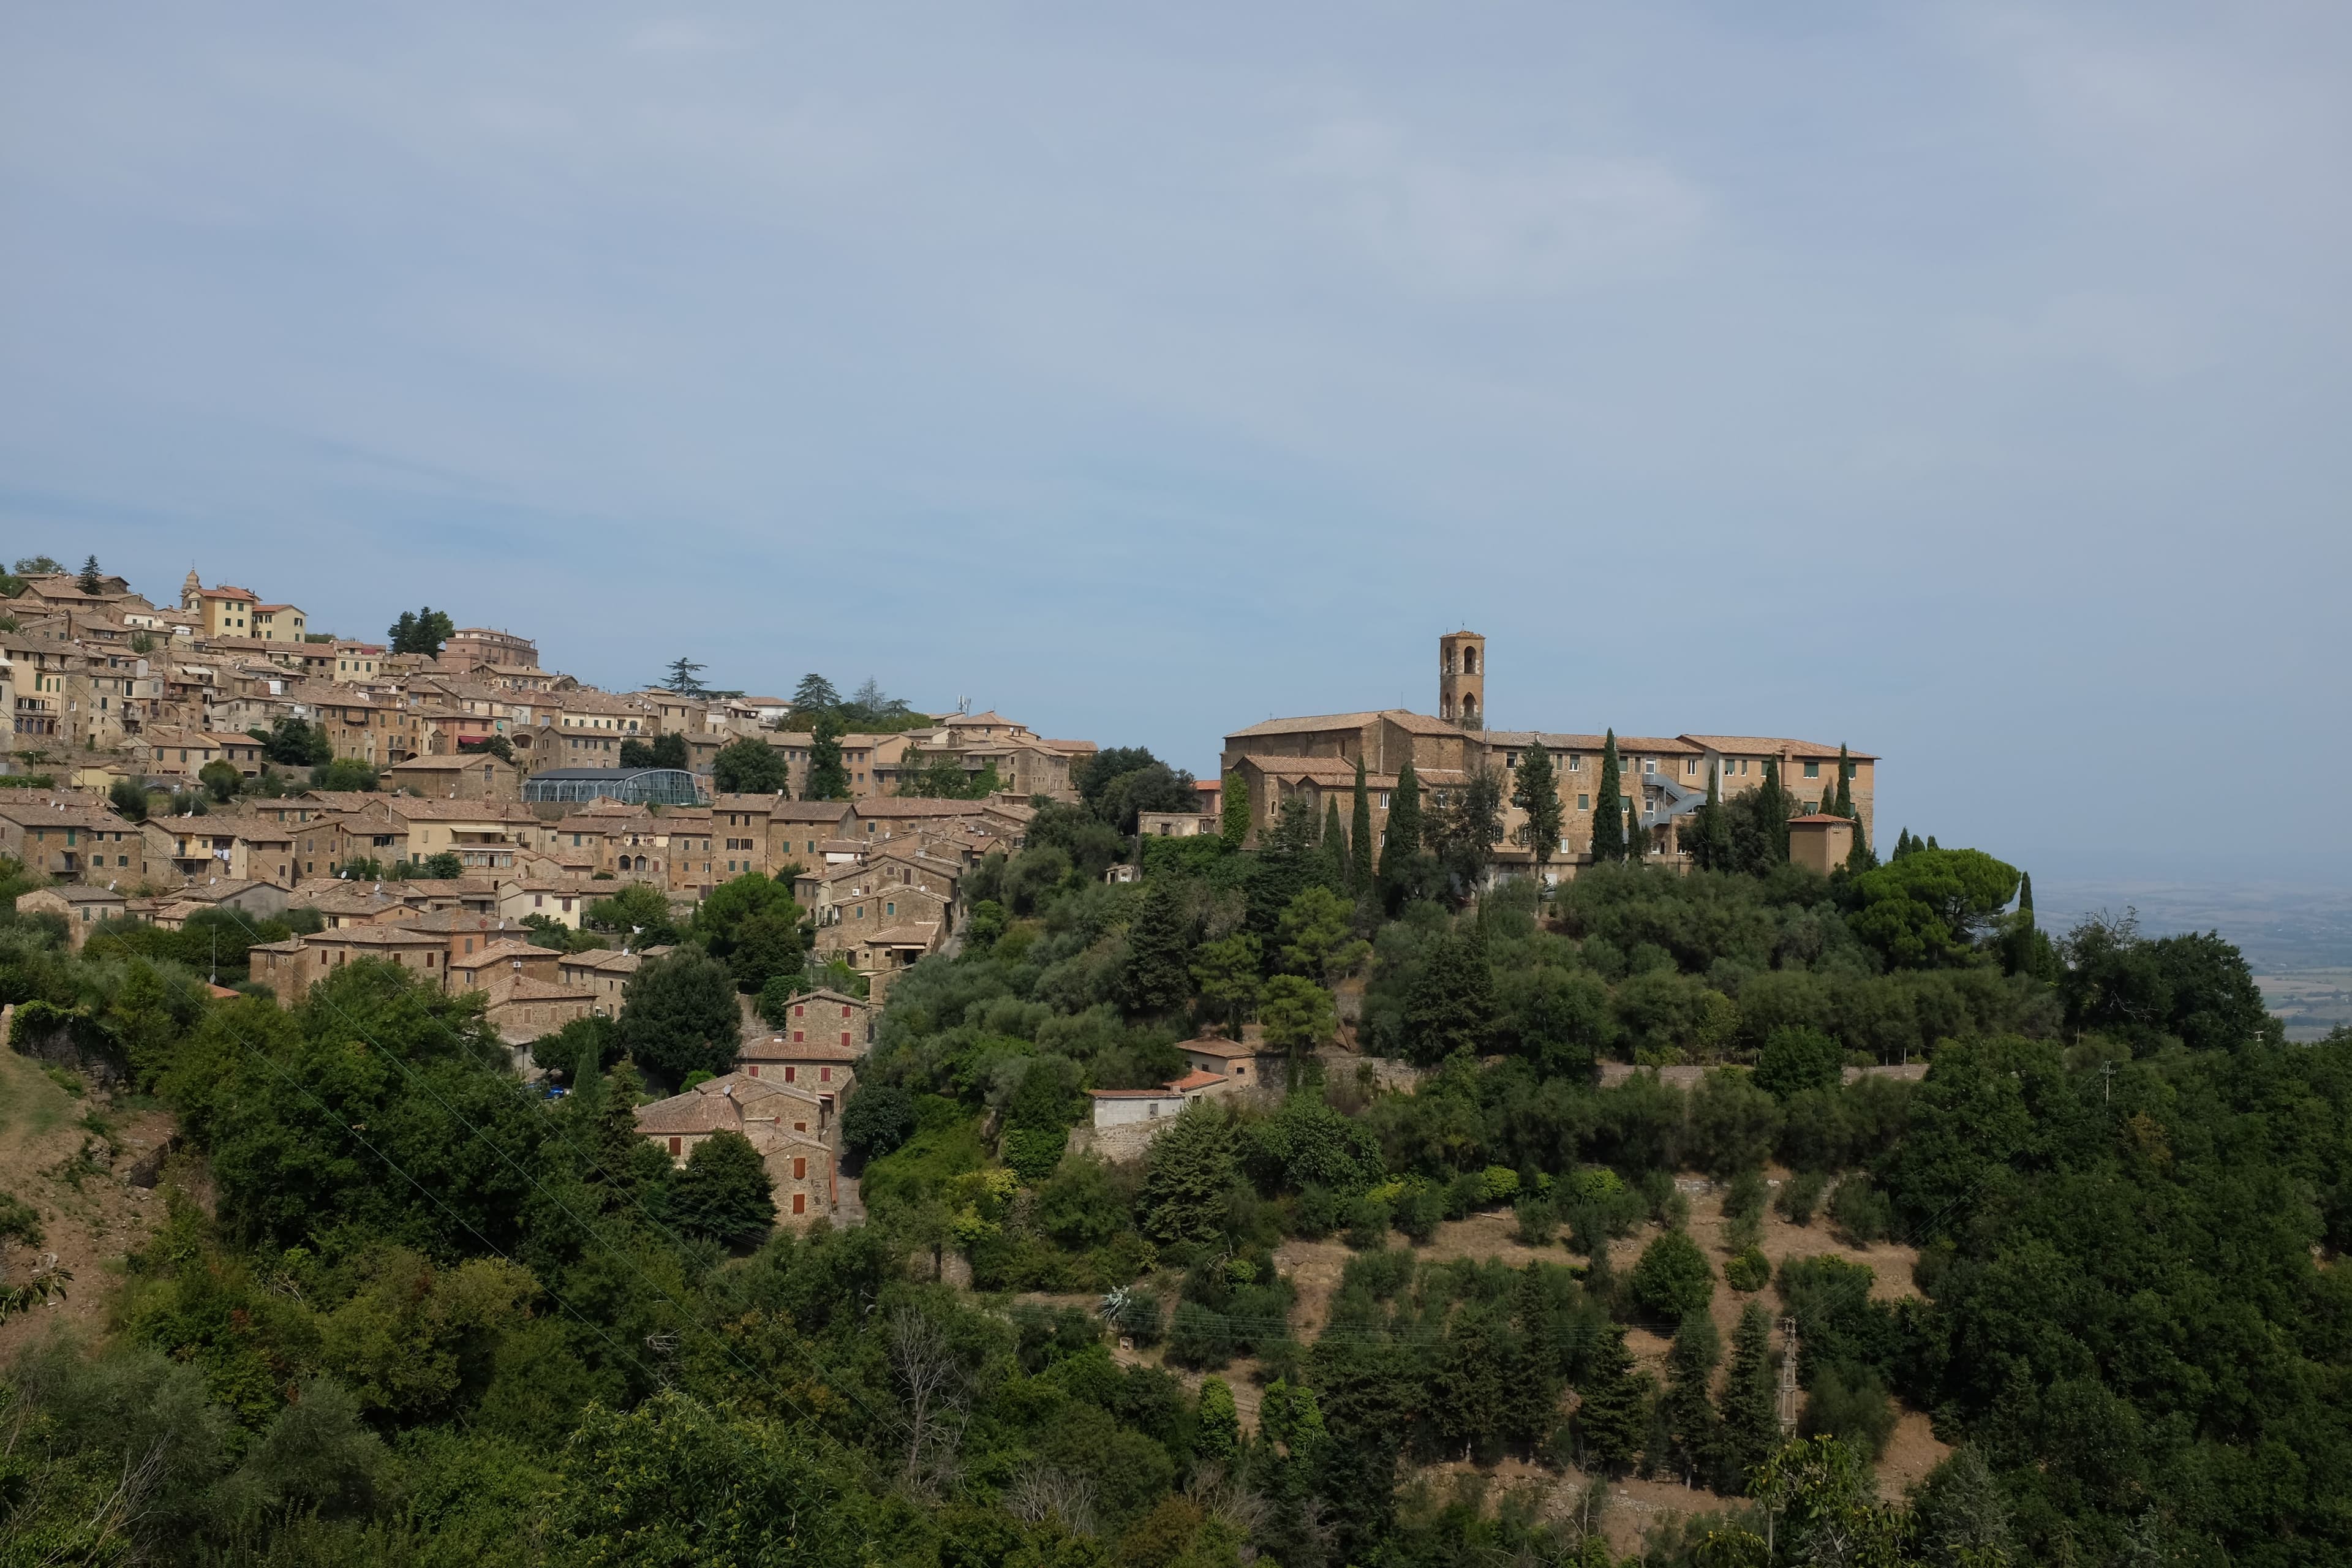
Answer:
(1787, 1378)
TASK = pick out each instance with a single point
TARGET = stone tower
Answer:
(1462, 679)
(189, 589)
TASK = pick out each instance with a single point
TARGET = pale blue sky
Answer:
(1967, 383)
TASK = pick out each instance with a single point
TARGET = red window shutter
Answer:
(800, 1168)
(791, 1073)
(844, 1036)
(799, 1203)
(824, 1075)
(676, 1146)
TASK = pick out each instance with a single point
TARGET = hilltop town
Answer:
(1097, 1160)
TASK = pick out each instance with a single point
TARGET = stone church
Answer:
(1665, 777)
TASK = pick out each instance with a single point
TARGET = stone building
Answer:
(1664, 778)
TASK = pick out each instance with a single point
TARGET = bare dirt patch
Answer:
(78, 1161)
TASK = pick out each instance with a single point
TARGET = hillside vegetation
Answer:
(403, 1309)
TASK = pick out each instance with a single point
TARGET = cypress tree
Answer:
(1773, 807)
(1401, 836)
(1335, 846)
(1360, 837)
(1234, 822)
(1534, 789)
(1637, 837)
(1608, 814)
(1750, 1431)
(1844, 807)
(2025, 898)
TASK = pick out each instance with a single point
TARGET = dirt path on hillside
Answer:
(78, 1160)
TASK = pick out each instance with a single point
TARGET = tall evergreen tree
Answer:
(1860, 858)
(685, 678)
(1774, 806)
(1608, 811)
(1335, 846)
(1637, 837)
(90, 582)
(1844, 807)
(1360, 838)
(2025, 897)
(1750, 1432)
(1612, 1412)
(1535, 790)
(1234, 823)
(825, 778)
(1708, 837)
(1400, 836)
(1157, 975)
(1686, 1420)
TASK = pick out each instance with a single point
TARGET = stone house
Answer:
(68, 842)
(470, 775)
(246, 848)
(1238, 1067)
(79, 907)
(522, 1007)
(774, 1120)
(475, 970)
(825, 1017)
(563, 900)
(795, 828)
(291, 968)
(602, 974)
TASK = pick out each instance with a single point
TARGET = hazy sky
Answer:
(1966, 383)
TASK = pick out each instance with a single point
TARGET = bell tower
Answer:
(1462, 679)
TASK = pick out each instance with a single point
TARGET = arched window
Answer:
(1469, 661)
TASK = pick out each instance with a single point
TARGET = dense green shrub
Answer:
(1672, 1278)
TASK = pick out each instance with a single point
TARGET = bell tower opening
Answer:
(1462, 679)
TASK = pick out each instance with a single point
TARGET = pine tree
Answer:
(1612, 1412)
(1902, 843)
(1608, 812)
(90, 582)
(1688, 1420)
(1234, 824)
(684, 677)
(1535, 790)
(1360, 838)
(1401, 836)
(1844, 807)
(1750, 1432)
